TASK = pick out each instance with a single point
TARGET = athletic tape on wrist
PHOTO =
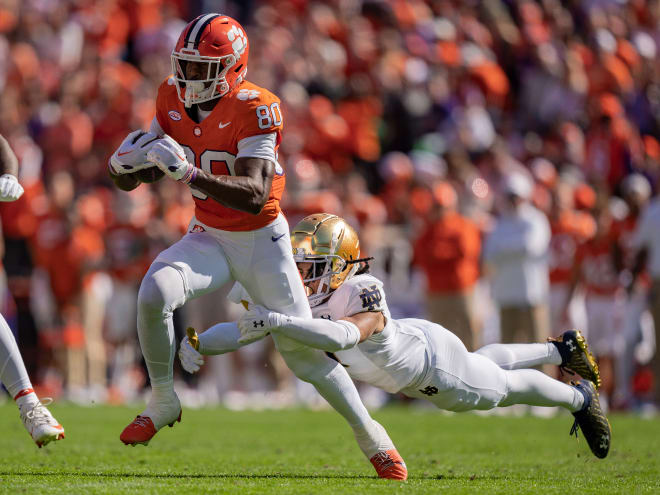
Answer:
(190, 175)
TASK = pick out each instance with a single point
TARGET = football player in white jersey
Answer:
(37, 419)
(415, 357)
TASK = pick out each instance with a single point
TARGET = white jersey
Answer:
(396, 358)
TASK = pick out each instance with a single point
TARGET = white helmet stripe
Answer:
(191, 39)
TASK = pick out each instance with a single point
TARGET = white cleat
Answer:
(40, 423)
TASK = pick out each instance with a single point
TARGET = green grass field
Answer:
(300, 451)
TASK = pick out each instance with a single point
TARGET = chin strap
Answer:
(363, 269)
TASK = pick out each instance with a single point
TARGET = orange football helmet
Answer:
(217, 41)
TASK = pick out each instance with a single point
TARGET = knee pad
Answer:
(162, 289)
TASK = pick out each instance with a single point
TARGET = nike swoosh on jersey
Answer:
(222, 126)
(276, 238)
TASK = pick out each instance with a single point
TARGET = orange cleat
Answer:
(390, 465)
(141, 431)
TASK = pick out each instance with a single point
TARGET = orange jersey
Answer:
(571, 229)
(212, 145)
(597, 270)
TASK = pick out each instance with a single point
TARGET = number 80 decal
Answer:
(269, 116)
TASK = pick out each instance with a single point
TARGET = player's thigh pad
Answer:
(200, 261)
(459, 380)
(270, 274)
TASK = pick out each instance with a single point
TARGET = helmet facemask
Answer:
(325, 269)
(214, 85)
(333, 249)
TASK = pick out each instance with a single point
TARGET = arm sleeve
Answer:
(319, 333)
(219, 339)
(259, 146)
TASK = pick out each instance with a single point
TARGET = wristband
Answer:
(190, 175)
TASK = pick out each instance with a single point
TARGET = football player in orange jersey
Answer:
(219, 134)
(37, 419)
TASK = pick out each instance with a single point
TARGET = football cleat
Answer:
(389, 465)
(592, 421)
(143, 428)
(575, 356)
(141, 431)
(40, 423)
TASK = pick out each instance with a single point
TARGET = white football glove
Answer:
(131, 155)
(10, 189)
(170, 157)
(191, 359)
(256, 323)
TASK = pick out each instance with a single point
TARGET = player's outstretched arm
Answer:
(318, 333)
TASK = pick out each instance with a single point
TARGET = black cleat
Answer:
(592, 421)
(575, 356)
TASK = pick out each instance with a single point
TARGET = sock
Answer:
(585, 398)
(13, 374)
(372, 438)
(561, 349)
(163, 406)
(519, 356)
(162, 389)
(161, 292)
(26, 397)
(535, 388)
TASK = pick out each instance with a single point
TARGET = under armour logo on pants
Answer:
(258, 324)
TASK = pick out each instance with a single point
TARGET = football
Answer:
(148, 175)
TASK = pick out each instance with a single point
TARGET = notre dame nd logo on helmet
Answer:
(371, 298)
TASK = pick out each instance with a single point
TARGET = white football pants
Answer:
(459, 380)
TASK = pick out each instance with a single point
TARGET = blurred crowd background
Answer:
(496, 158)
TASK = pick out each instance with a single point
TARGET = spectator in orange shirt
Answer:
(448, 253)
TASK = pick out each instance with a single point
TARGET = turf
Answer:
(305, 452)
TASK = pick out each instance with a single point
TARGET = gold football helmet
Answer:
(331, 246)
